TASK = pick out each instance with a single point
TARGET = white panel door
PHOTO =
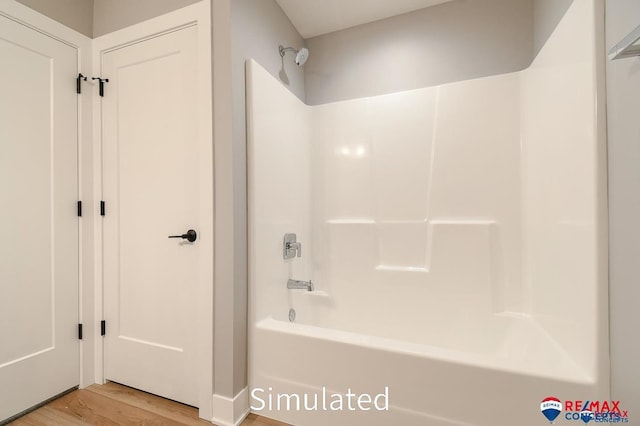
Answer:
(152, 191)
(39, 349)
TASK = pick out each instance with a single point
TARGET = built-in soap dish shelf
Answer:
(317, 294)
(356, 221)
(393, 268)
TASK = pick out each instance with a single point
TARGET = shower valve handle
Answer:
(295, 246)
(291, 247)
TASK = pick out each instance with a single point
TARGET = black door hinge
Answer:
(79, 83)
(79, 208)
(103, 327)
(101, 82)
(80, 331)
(102, 208)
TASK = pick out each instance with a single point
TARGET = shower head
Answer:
(301, 55)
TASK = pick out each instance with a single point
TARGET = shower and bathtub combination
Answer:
(450, 248)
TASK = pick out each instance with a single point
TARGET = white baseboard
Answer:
(230, 412)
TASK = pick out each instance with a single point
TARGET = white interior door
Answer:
(39, 349)
(152, 190)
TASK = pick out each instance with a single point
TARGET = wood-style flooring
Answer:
(114, 404)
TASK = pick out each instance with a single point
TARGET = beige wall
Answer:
(623, 98)
(454, 41)
(111, 15)
(76, 14)
(546, 15)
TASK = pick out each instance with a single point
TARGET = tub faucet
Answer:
(300, 285)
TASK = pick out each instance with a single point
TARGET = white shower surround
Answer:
(456, 237)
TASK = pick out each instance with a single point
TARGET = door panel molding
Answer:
(197, 15)
(30, 18)
(50, 51)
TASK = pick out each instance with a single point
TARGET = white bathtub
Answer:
(456, 237)
(485, 374)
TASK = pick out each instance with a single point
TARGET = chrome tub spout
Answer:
(300, 285)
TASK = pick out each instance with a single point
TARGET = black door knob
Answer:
(190, 236)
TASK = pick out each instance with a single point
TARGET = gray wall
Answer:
(111, 15)
(75, 14)
(227, 371)
(623, 98)
(94, 18)
(546, 15)
(450, 42)
(257, 28)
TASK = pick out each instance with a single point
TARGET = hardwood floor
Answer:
(114, 404)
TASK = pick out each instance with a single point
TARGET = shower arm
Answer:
(284, 50)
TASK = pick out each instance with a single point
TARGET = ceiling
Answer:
(316, 17)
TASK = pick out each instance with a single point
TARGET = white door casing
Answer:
(39, 267)
(90, 186)
(157, 180)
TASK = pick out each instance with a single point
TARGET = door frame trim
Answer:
(198, 15)
(28, 17)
